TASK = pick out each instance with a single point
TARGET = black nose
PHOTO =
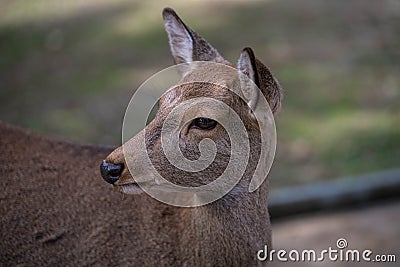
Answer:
(111, 172)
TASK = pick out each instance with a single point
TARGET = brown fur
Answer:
(231, 230)
(56, 210)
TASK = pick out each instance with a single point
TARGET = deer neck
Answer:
(220, 222)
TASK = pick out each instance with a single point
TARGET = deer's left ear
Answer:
(247, 66)
(262, 77)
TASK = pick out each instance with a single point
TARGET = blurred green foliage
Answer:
(69, 68)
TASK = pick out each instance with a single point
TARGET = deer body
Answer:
(55, 210)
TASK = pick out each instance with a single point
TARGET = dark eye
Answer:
(203, 123)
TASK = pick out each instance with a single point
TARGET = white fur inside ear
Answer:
(247, 79)
(244, 65)
(180, 41)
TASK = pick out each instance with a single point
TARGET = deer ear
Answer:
(262, 77)
(186, 45)
(247, 66)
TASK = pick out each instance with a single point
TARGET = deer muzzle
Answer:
(111, 172)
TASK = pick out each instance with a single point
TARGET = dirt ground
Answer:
(376, 228)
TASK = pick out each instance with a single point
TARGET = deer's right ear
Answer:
(186, 45)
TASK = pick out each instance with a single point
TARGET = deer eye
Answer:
(203, 124)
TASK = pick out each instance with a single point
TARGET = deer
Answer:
(57, 210)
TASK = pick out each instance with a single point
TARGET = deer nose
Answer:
(111, 172)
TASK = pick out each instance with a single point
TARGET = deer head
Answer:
(198, 82)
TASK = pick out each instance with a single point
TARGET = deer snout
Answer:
(111, 172)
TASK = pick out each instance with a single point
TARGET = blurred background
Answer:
(69, 68)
